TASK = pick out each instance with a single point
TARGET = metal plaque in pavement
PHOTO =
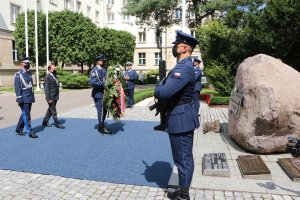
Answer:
(291, 166)
(215, 164)
(253, 166)
(235, 103)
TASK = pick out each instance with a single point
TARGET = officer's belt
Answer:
(181, 102)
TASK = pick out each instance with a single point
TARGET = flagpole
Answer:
(26, 28)
(47, 34)
(36, 49)
(183, 15)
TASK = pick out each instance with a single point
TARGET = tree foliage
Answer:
(19, 35)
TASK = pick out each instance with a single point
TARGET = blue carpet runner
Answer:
(134, 154)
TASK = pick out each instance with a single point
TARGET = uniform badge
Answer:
(93, 74)
(176, 74)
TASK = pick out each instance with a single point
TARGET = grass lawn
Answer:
(210, 91)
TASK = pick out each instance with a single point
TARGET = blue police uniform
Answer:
(23, 84)
(130, 86)
(181, 119)
(198, 86)
(97, 81)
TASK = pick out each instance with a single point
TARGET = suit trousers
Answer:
(182, 151)
(51, 112)
(130, 100)
(25, 118)
(101, 116)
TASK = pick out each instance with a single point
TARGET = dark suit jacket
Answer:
(51, 88)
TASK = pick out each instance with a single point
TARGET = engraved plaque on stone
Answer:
(215, 164)
(253, 167)
(235, 103)
(291, 166)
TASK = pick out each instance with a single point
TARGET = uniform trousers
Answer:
(182, 152)
(25, 118)
(101, 116)
(130, 93)
(196, 100)
(51, 112)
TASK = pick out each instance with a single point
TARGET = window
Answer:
(15, 10)
(14, 51)
(142, 58)
(111, 2)
(193, 33)
(97, 16)
(88, 10)
(142, 37)
(178, 13)
(53, 2)
(157, 58)
(68, 4)
(110, 17)
(126, 18)
(78, 6)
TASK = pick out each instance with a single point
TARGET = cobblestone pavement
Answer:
(20, 185)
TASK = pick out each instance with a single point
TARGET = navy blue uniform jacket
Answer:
(97, 81)
(198, 76)
(24, 87)
(179, 85)
(132, 77)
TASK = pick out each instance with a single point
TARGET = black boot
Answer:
(160, 127)
(20, 132)
(58, 125)
(104, 130)
(179, 194)
(33, 135)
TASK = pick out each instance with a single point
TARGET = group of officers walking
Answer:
(180, 90)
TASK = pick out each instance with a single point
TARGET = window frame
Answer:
(15, 10)
(157, 58)
(142, 58)
(142, 37)
(14, 51)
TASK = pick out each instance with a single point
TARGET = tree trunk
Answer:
(81, 67)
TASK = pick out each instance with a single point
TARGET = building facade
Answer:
(104, 13)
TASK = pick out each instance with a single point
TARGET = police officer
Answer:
(97, 81)
(52, 95)
(181, 120)
(198, 86)
(130, 76)
(25, 97)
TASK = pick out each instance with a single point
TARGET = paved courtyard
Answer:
(20, 185)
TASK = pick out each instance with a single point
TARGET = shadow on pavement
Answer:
(272, 186)
(114, 127)
(159, 173)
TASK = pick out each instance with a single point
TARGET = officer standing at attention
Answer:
(181, 119)
(51, 89)
(130, 76)
(97, 81)
(198, 86)
(25, 97)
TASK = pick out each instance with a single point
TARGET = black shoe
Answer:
(60, 126)
(20, 133)
(33, 135)
(159, 127)
(46, 124)
(179, 194)
(104, 130)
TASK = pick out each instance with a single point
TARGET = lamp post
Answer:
(26, 28)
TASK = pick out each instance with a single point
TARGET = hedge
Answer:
(143, 94)
(219, 100)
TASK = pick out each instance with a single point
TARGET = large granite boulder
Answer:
(270, 110)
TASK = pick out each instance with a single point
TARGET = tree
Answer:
(156, 13)
(19, 35)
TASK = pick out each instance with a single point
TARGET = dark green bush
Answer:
(151, 77)
(219, 100)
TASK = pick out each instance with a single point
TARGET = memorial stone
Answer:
(215, 164)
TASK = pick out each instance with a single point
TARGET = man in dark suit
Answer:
(25, 97)
(130, 76)
(51, 88)
(97, 81)
(181, 119)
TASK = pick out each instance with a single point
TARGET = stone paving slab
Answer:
(20, 185)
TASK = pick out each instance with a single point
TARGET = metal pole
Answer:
(26, 29)
(36, 49)
(183, 15)
(47, 34)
